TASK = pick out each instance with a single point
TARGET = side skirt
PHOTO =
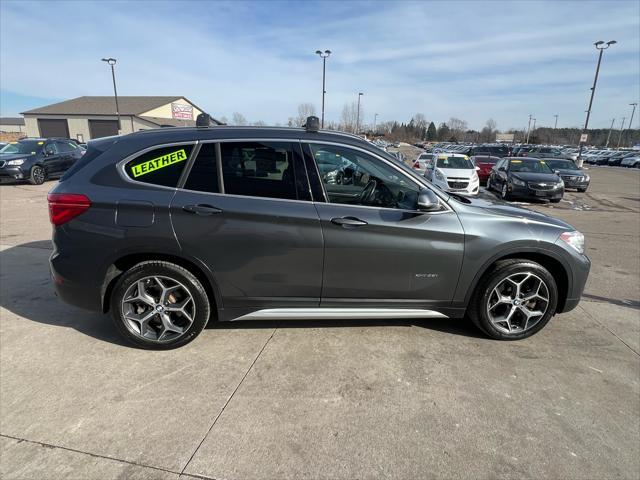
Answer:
(335, 313)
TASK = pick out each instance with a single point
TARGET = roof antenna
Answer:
(203, 120)
(313, 124)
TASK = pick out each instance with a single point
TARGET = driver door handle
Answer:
(348, 222)
(201, 209)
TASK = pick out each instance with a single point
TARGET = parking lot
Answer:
(350, 399)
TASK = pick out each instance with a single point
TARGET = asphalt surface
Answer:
(351, 399)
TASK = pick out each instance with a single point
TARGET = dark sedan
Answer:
(524, 178)
(37, 159)
(572, 175)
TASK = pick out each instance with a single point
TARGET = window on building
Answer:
(160, 166)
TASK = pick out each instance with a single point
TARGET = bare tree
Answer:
(457, 127)
(259, 123)
(238, 119)
(224, 120)
(304, 110)
(349, 117)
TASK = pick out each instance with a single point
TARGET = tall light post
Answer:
(375, 117)
(323, 56)
(529, 128)
(631, 121)
(621, 130)
(112, 62)
(358, 115)
(609, 135)
(601, 47)
(555, 126)
(533, 130)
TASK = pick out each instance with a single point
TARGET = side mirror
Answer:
(557, 172)
(48, 152)
(502, 169)
(428, 201)
(477, 168)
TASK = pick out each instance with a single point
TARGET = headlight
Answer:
(561, 183)
(20, 161)
(575, 239)
(518, 182)
(585, 178)
(439, 175)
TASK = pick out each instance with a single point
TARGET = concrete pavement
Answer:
(363, 399)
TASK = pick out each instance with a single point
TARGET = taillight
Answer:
(65, 206)
(416, 165)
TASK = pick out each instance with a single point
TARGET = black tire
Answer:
(37, 175)
(488, 184)
(504, 192)
(555, 200)
(176, 273)
(477, 312)
(582, 190)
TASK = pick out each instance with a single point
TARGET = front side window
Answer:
(260, 169)
(356, 178)
(203, 176)
(160, 166)
(529, 166)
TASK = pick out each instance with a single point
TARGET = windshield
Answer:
(562, 165)
(454, 162)
(26, 146)
(531, 166)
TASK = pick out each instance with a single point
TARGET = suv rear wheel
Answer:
(514, 300)
(159, 305)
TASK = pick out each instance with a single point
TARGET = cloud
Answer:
(472, 60)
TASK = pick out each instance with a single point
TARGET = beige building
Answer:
(12, 125)
(85, 118)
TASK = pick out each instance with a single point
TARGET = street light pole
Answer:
(324, 56)
(529, 128)
(358, 115)
(609, 136)
(599, 46)
(112, 62)
(375, 117)
(555, 126)
(621, 130)
(533, 130)
(631, 121)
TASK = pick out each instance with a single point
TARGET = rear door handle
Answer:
(201, 209)
(348, 222)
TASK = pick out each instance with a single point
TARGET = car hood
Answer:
(458, 172)
(497, 207)
(13, 156)
(536, 177)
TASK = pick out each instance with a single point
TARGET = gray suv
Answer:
(172, 228)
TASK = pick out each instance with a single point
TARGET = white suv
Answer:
(454, 172)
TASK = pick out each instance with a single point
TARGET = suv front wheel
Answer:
(515, 300)
(159, 305)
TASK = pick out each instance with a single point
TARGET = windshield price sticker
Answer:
(158, 163)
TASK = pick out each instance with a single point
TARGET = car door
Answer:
(245, 212)
(378, 249)
(52, 159)
(65, 150)
(501, 173)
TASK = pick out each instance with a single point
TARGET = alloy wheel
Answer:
(38, 175)
(158, 308)
(518, 303)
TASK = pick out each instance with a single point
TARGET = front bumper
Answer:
(12, 174)
(528, 192)
(579, 182)
(580, 265)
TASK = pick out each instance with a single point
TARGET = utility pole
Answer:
(555, 126)
(631, 121)
(324, 56)
(609, 136)
(112, 62)
(621, 130)
(375, 117)
(529, 128)
(599, 46)
(358, 115)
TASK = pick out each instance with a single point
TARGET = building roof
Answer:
(11, 121)
(104, 105)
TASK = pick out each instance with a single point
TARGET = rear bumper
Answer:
(83, 295)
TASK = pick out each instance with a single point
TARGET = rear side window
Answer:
(203, 176)
(261, 169)
(160, 166)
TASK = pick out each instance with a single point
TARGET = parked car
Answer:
(631, 161)
(526, 178)
(493, 150)
(485, 165)
(454, 172)
(37, 159)
(572, 175)
(616, 159)
(421, 163)
(546, 152)
(170, 228)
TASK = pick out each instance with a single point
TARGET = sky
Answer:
(473, 60)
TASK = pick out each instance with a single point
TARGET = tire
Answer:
(142, 319)
(582, 190)
(555, 200)
(488, 184)
(37, 176)
(484, 295)
(504, 192)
